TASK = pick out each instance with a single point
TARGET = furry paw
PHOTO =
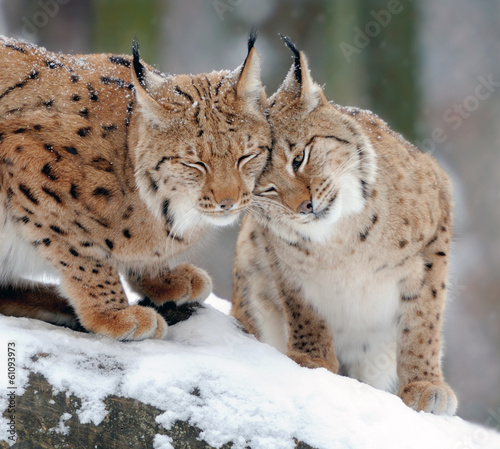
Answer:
(313, 362)
(130, 323)
(194, 282)
(437, 398)
(184, 283)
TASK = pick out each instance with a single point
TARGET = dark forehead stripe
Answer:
(339, 139)
(178, 90)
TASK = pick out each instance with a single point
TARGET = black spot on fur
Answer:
(74, 191)
(75, 97)
(120, 60)
(92, 93)
(128, 213)
(83, 132)
(74, 78)
(84, 112)
(116, 81)
(52, 194)
(53, 64)
(27, 193)
(71, 150)
(109, 244)
(101, 191)
(57, 230)
(428, 266)
(20, 131)
(108, 129)
(46, 241)
(74, 252)
(440, 253)
(126, 233)
(79, 225)
(47, 171)
(102, 164)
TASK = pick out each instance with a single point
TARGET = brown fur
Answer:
(343, 261)
(104, 173)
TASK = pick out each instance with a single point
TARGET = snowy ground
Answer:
(248, 392)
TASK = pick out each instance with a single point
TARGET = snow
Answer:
(226, 383)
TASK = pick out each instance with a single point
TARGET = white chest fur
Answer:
(361, 307)
(362, 311)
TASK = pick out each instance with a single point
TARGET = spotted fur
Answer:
(108, 166)
(342, 262)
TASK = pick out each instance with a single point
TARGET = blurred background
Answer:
(430, 69)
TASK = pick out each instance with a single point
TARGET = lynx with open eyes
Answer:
(342, 262)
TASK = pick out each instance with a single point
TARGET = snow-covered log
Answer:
(208, 384)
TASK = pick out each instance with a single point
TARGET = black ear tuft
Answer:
(138, 67)
(252, 37)
(296, 53)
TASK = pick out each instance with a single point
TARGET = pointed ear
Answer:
(249, 86)
(299, 80)
(147, 84)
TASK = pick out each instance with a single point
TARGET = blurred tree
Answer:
(115, 21)
(391, 63)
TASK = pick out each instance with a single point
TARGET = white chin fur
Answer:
(222, 220)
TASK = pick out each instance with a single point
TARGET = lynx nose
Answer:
(227, 203)
(305, 208)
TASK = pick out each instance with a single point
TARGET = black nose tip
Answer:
(305, 208)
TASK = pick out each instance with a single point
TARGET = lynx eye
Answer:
(269, 190)
(298, 161)
(197, 165)
(245, 159)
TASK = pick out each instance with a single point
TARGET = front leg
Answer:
(419, 344)
(94, 290)
(184, 283)
(310, 342)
